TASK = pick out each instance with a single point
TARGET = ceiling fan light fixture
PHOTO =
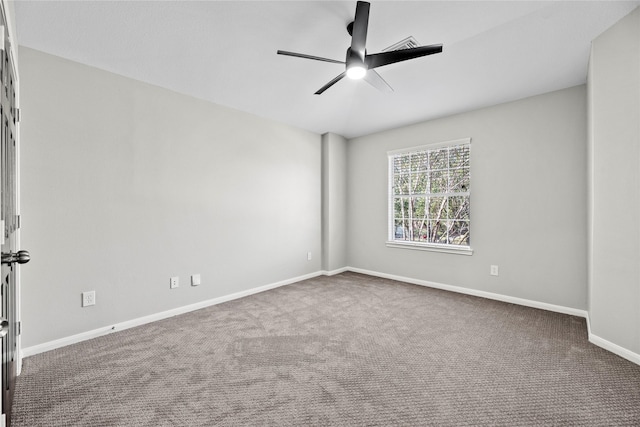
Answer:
(360, 64)
(356, 72)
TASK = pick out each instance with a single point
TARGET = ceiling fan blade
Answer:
(376, 80)
(331, 83)
(386, 58)
(360, 25)
(302, 55)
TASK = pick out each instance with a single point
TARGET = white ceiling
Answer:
(225, 52)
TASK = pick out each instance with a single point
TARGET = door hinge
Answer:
(17, 115)
(17, 221)
(19, 328)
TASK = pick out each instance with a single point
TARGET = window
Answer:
(429, 197)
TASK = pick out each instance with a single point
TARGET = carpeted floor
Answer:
(347, 350)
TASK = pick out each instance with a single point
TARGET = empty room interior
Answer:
(230, 221)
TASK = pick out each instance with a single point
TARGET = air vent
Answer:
(407, 43)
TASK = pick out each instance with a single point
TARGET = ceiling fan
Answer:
(358, 63)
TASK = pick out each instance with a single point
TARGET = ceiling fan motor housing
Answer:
(355, 58)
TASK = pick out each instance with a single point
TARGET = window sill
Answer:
(448, 249)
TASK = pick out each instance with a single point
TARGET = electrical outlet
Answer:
(494, 270)
(88, 298)
(174, 282)
(195, 280)
(308, 256)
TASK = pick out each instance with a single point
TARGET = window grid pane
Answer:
(430, 196)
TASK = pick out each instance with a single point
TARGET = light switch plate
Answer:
(195, 280)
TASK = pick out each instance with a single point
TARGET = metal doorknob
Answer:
(4, 327)
(21, 257)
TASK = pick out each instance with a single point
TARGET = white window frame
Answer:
(436, 247)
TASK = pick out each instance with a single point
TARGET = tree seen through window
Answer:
(430, 193)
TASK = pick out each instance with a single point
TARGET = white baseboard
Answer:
(52, 345)
(613, 348)
(594, 339)
(477, 293)
(334, 272)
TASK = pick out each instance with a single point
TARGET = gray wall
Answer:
(614, 184)
(334, 202)
(528, 198)
(125, 184)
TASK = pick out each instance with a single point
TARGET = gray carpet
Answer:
(347, 350)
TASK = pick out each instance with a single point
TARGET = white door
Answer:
(9, 222)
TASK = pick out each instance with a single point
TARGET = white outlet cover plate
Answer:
(174, 282)
(88, 298)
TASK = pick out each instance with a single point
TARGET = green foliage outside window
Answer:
(431, 196)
